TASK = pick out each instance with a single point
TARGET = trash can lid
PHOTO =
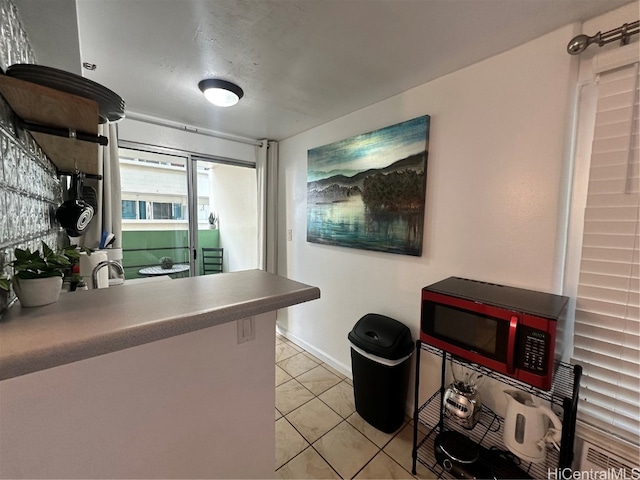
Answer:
(382, 336)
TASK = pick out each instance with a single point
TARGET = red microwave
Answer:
(514, 331)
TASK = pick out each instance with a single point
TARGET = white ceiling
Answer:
(301, 63)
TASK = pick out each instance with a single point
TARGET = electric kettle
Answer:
(526, 426)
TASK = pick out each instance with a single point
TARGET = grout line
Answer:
(326, 461)
(285, 358)
(411, 475)
(333, 428)
(343, 419)
(343, 369)
(304, 403)
(299, 433)
(330, 407)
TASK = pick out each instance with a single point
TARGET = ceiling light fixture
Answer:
(220, 92)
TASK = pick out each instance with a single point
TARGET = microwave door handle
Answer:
(511, 346)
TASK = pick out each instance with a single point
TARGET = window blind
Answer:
(607, 318)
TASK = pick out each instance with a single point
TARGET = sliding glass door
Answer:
(185, 214)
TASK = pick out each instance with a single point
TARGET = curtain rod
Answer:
(579, 43)
(186, 128)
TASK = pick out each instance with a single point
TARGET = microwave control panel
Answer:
(534, 351)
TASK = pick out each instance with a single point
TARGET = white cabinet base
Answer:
(197, 405)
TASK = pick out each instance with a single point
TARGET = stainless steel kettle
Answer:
(527, 431)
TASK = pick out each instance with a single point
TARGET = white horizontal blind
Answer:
(607, 320)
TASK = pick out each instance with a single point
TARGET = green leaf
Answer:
(71, 252)
(50, 273)
(26, 274)
(22, 255)
(49, 263)
(60, 262)
(36, 264)
(46, 250)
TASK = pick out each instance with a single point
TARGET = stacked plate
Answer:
(111, 107)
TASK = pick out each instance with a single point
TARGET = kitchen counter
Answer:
(87, 324)
(146, 380)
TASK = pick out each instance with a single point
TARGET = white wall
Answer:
(497, 181)
(151, 134)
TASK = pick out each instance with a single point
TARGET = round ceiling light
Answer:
(220, 92)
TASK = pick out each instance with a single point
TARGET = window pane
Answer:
(128, 209)
(142, 210)
(177, 211)
(162, 211)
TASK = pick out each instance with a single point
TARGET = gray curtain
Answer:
(267, 171)
(109, 215)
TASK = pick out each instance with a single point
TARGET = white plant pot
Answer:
(35, 292)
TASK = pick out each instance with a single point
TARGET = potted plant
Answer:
(213, 221)
(37, 276)
(166, 263)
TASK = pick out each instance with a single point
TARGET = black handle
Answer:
(64, 132)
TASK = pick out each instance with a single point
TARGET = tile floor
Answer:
(318, 432)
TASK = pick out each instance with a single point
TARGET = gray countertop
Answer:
(86, 324)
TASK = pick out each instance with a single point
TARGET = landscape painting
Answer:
(368, 191)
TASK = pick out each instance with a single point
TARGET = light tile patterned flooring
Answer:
(320, 435)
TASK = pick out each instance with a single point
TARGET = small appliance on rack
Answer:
(513, 331)
(527, 432)
(457, 454)
(461, 457)
(462, 400)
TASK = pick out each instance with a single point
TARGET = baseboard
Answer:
(328, 359)
(332, 362)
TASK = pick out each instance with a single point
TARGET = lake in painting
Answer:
(368, 191)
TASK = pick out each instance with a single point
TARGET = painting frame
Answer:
(368, 191)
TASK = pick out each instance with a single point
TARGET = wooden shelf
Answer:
(47, 106)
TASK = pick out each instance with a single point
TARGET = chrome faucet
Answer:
(102, 264)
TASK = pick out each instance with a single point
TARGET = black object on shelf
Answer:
(461, 457)
(85, 175)
(62, 132)
(381, 348)
(488, 432)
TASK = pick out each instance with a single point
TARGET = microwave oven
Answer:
(513, 331)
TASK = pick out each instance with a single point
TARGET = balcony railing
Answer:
(136, 259)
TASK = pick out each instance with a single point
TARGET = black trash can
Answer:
(381, 349)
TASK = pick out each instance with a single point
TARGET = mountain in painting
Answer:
(415, 162)
(339, 187)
